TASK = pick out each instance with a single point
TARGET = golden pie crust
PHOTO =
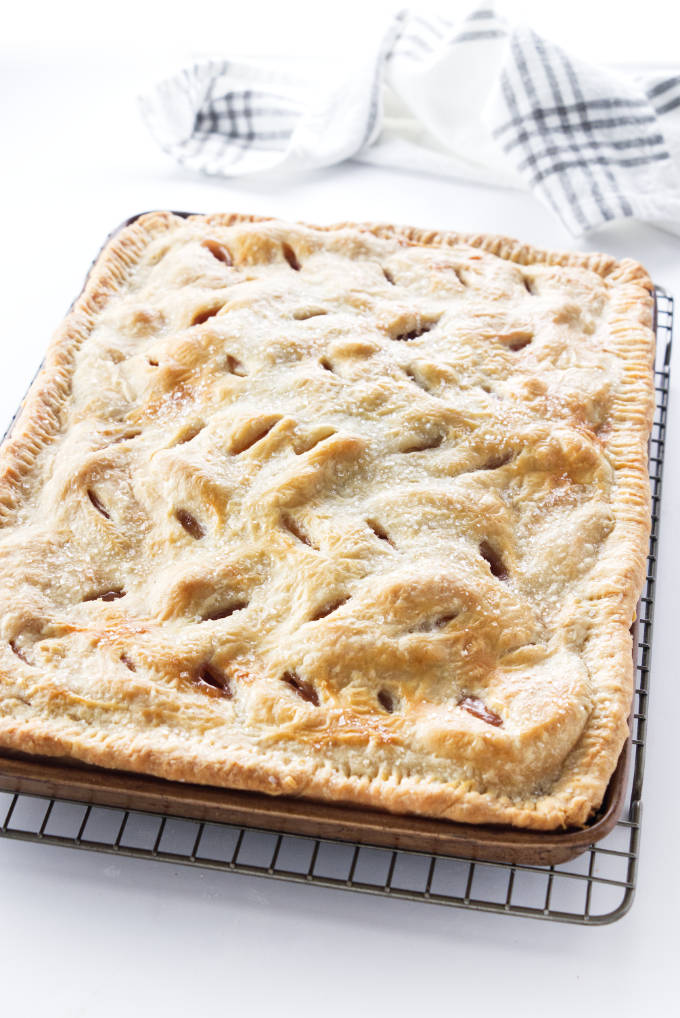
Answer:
(358, 513)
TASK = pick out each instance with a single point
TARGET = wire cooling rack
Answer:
(597, 887)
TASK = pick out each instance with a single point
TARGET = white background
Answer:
(84, 934)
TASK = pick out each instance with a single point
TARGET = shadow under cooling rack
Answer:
(594, 888)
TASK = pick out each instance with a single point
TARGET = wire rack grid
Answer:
(595, 888)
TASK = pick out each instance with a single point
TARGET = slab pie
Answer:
(358, 513)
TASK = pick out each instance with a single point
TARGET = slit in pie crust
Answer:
(358, 513)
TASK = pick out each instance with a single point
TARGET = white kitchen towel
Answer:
(475, 99)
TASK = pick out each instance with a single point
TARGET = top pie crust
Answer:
(357, 513)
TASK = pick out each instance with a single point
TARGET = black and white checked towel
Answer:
(474, 99)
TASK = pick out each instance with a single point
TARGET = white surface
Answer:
(84, 934)
(604, 30)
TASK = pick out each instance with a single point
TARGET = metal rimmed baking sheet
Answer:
(427, 840)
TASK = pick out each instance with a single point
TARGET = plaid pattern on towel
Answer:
(474, 99)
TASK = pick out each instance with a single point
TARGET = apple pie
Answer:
(358, 513)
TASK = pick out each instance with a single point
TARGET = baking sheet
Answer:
(63, 779)
(66, 779)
